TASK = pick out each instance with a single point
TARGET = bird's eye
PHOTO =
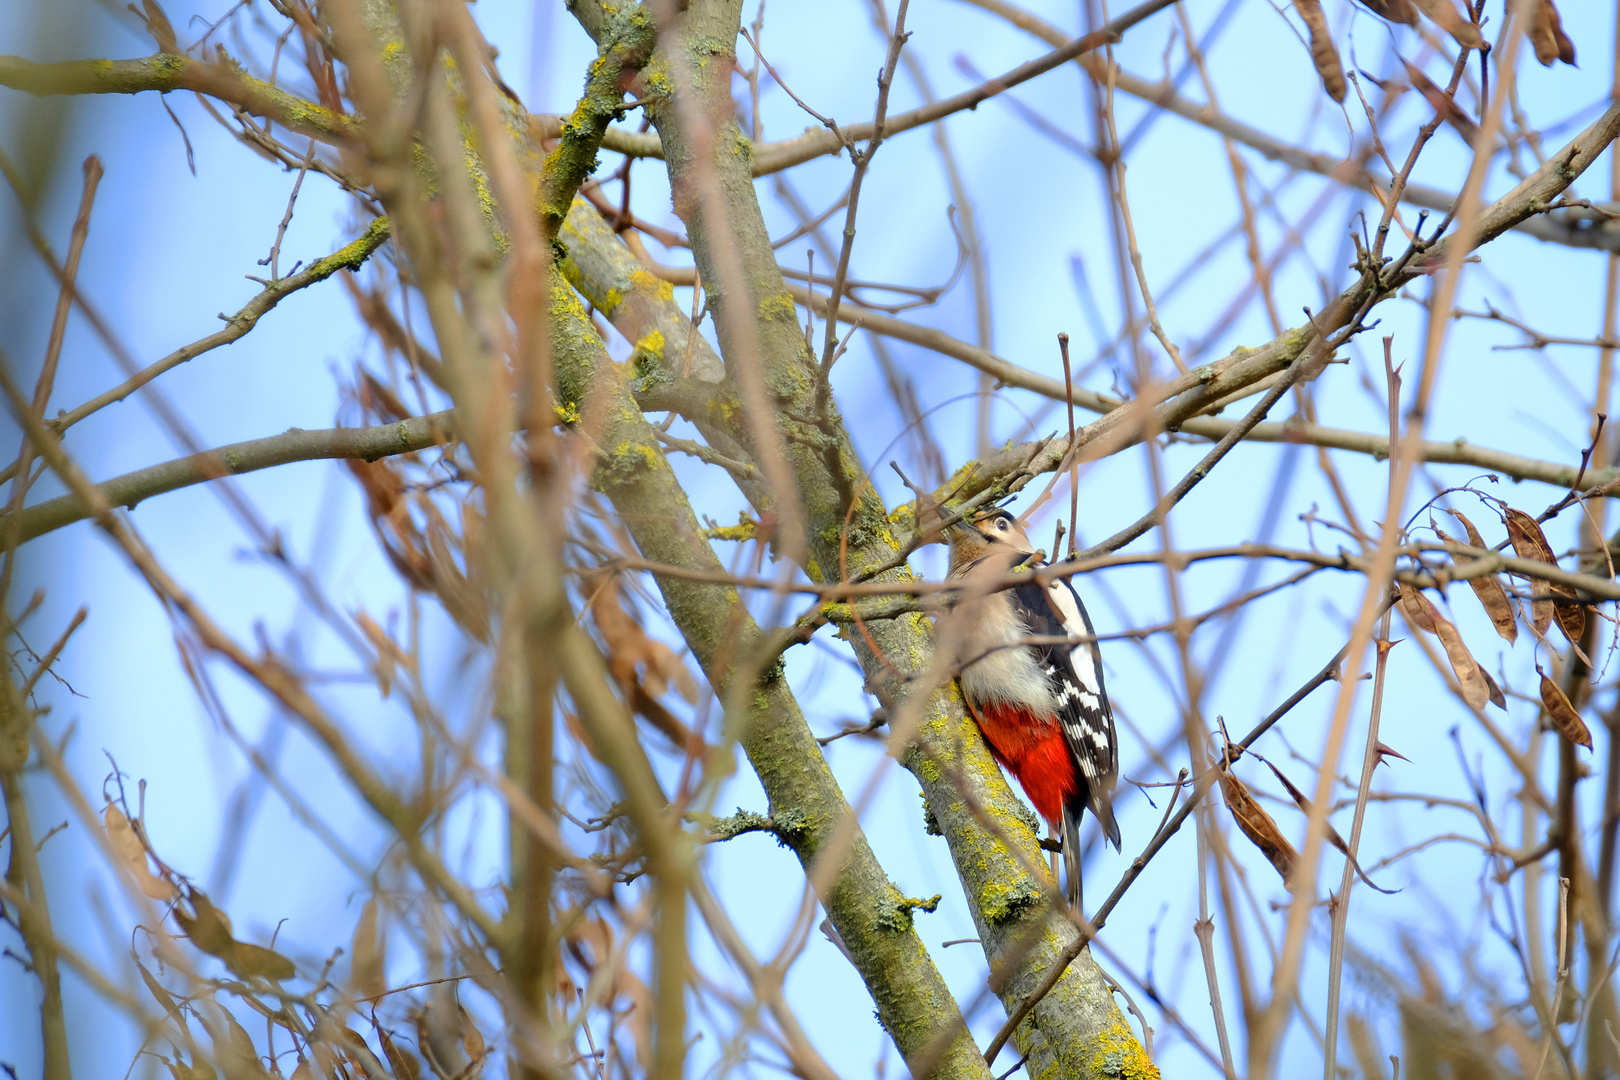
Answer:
(1001, 523)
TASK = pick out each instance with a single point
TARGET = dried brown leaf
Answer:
(389, 654)
(133, 853)
(210, 930)
(233, 1049)
(199, 1069)
(1258, 826)
(1498, 698)
(305, 1070)
(630, 649)
(1563, 715)
(368, 961)
(1471, 677)
(353, 1045)
(1488, 588)
(159, 994)
(1444, 15)
(1324, 53)
(1547, 34)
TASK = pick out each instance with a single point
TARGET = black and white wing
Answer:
(1075, 677)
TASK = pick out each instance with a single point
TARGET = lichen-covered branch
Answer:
(638, 304)
(223, 79)
(1297, 430)
(625, 43)
(25, 881)
(1077, 1031)
(869, 913)
(818, 142)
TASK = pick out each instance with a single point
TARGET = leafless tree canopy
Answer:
(515, 654)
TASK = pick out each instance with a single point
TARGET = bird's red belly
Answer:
(1033, 750)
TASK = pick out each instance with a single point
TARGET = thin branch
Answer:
(366, 444)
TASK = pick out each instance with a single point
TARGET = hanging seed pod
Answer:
(1488, 588)
(1547, 34)
(1529, 542)
(1444, 15)
(1563, 715)
(1324, 53)
(1259, 826)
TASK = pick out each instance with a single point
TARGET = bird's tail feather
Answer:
(1104, 809)
(1071, 854)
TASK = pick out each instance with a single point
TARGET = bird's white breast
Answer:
(996, 664)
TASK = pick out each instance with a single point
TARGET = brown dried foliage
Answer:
(1563, 715)
(1488, 588)
(1476, 683)
(1259, 826)
(1324, 53)
(1549, 600)
(1444, 104)
(1547, 34)
(1444, 15)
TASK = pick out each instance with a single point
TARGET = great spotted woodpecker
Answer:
(1041, 704)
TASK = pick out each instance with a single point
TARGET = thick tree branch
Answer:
(913, 1002)
(1077, 1028)
(222, 79)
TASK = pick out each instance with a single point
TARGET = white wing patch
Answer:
(1085, 664)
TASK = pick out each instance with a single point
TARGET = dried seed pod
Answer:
(472, 1040)
(1563, 715)
(1549, 600)
(209, 929)
(1498, 698)
(1488, 588)
(1470, 676)
(367, 963)
(121, 834)
(257, 962)
(1258, 826)
(1547, 34)
(401, 1062)
(1529, 543)
(164, 999)
(1396, 11)
(1324, 53)
(1419, 609)
(1444, 15)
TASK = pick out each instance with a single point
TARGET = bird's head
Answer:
(973, 538)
